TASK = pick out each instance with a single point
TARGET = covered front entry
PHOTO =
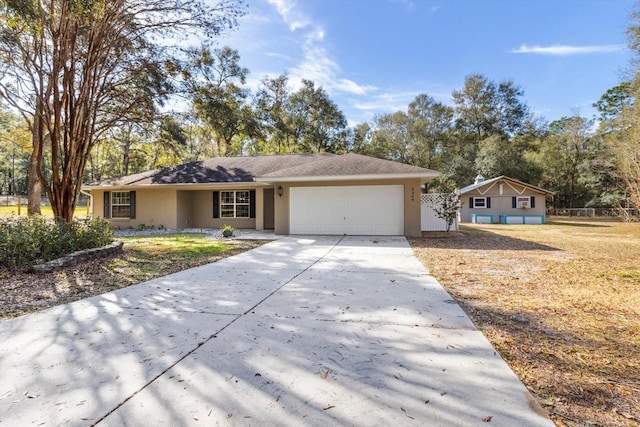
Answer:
(372, 210)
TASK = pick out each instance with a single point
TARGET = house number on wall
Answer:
(413, 194)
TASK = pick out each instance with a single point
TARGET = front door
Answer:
(268, 214)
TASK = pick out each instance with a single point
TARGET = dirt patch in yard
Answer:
(142, 259)
(561, 303)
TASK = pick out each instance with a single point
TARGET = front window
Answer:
(480, 202)
(120, 204)
(234, 204)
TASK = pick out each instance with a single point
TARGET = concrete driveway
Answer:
(301, 331)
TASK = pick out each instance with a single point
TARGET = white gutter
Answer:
(179, 186)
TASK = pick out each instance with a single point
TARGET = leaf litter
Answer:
(560, 303)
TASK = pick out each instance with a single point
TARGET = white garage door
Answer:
(373, 210)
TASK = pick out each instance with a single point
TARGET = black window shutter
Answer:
(132, 205)
(107, 204)
(471, 202)
(216, 204)
(514, 203)
(533, 201)
(252, 204)
(488, 202)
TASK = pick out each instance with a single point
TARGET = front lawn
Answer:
(80, 212)
(560, 302)
(143, 258)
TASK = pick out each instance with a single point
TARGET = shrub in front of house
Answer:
(28, 240)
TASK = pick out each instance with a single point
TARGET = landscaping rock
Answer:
(76, 257)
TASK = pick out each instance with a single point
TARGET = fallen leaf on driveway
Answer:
(328, 407)
(487, 419)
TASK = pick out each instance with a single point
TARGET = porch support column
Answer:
(259, 208)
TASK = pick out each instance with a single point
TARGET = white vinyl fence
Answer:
(429, 218)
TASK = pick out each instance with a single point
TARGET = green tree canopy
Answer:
(74, 68)
(214, 81)
(315, 121)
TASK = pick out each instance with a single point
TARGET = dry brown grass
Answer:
(561, 302)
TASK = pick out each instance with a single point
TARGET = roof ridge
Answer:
(263, 155)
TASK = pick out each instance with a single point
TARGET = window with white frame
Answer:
(480, 202)
(523, 202)
(235, 204)
(120, 204)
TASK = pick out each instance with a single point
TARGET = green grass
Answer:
(180, 246)
(81, 211)
(148, 257)
(153, 256)
(143, 258)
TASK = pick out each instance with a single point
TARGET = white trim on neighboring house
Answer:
(475, 203)
(485, 186)
(487, 189)
(524, 188)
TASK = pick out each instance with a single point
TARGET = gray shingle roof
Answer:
(215, 170)
(350, 164)
(265, 168)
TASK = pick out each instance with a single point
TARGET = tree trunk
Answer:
(35, 160)
(125, 157)
(35, 187)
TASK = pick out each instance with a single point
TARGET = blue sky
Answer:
(374, 56)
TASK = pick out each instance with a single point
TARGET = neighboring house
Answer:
(503, 200)
(291, 194)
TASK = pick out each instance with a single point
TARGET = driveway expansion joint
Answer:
(214, 335)
(347, 348)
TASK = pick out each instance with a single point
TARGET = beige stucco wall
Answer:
(203, 213)
(155, 207)
(177, 208)
(411, 202)
(185, 209)
(501, 202)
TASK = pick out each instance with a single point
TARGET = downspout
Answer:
(89, 203)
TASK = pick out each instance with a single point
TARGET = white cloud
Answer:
(278, 55)
(315, 63)
(290, 14)
(408, 4)
(564, 50)
(391, 100)
(387, 102)
(349, 86)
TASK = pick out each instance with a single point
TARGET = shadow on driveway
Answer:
(301, 331)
